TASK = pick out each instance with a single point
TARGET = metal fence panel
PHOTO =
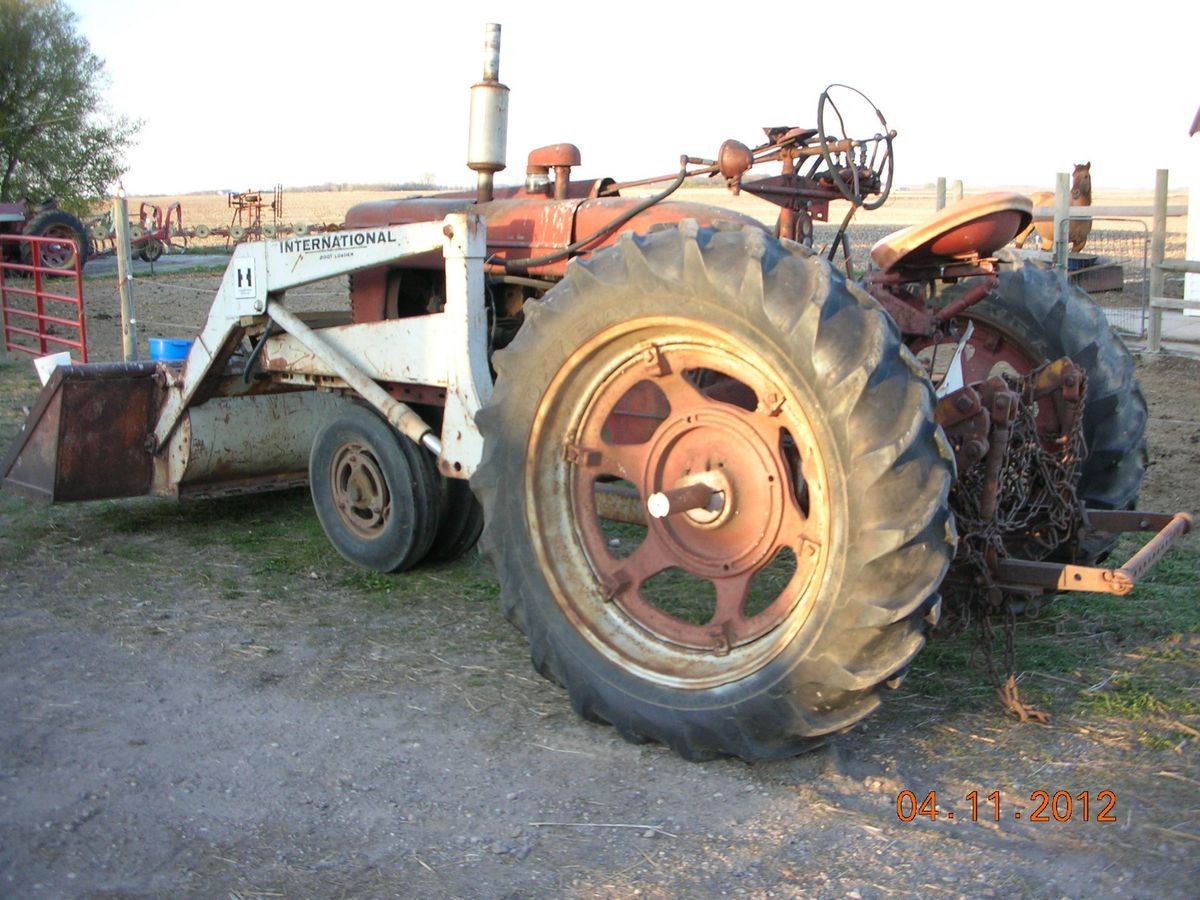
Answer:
(41, 306)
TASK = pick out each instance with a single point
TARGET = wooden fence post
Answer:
(125, 278)
(1062, 224)
(956, 191)
(941, 193)
(1158, 250)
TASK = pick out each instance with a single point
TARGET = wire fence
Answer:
(1113, 269)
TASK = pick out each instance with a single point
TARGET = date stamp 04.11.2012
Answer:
(1043, 806)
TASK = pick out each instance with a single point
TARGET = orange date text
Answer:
(1044, 806)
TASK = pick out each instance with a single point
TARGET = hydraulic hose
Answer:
(522, 266)
(252, 359)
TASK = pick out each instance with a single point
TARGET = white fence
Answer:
(1160, 266)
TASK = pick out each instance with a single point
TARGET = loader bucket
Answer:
(86, 436)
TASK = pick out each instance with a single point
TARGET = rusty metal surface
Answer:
(421, 394)
(695, 496)
(1141, 562)
(258, 484)
(619, 504)
(554, 155)
(966, 425)
(791, 191)
(1020, 573)
(560, 158)
(992, 350)
(980, 289)
(909, 311)
(700, 449)
(1001, 404)
(359, 490)
(521, 226)
(975, 227)
(231, 439)
(85, 438)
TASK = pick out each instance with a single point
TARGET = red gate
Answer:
(41, 305)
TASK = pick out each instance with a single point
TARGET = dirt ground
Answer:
(203, 701)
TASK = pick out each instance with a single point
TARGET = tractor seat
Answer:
(973, 228)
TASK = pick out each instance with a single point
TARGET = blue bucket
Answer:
(169, 349)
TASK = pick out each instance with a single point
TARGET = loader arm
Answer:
(202, 430)
(446, 350)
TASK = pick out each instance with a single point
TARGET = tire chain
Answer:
(1036, 499)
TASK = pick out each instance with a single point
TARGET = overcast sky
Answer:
(247, 94)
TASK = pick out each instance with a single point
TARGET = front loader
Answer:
(727, 489)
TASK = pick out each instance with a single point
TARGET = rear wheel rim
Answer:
(61, 254)
(996, 351)
(721, 416)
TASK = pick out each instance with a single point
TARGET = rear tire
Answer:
(796, 390)
(57, 223)
(1037, 314)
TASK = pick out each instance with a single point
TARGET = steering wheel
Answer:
(852, 172)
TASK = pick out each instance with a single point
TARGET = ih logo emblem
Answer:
(246, 281)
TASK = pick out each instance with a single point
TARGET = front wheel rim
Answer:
(360, 491)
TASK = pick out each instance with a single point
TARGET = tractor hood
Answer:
(521, 225)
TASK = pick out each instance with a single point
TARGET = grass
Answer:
(1132, 660)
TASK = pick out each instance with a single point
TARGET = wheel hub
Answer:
(716, 448)
(360, 492)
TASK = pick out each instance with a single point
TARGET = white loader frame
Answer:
(446, 350)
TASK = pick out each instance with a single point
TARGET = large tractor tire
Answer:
(1036, 316)
(771, 615)
(56, 223)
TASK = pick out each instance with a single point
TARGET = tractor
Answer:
(45, 219)
(728, 489)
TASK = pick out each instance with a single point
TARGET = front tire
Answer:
(772, 616)
(374, 490)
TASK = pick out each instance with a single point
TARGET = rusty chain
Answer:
(1036, 510)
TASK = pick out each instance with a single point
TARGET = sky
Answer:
(247, 94)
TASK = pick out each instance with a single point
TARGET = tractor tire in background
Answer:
(1036, 316)
(151, 250)
(773, 616)
(57, 223)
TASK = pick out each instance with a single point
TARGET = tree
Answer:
(56, 138)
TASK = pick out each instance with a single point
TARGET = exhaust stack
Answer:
(488, 134)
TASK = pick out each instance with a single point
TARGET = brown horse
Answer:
(1081, 195)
